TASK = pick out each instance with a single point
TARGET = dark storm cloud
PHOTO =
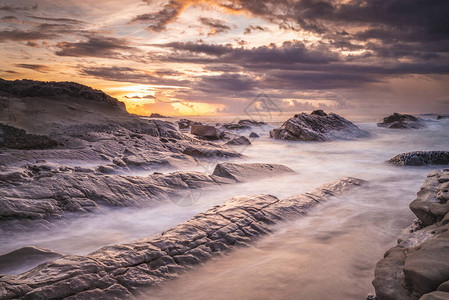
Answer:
(251, 28)
(12, 8)
(34, 67)
(20, 35)
(125, 74)
(59, 20)
(97, 46)
(226, 83)
(158, 20)
(217, 26)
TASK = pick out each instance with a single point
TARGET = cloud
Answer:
(34, 67)
(158, 20)
(126, 74)
(251, 28)
(12, 8)
(216, 26)
(20, 35)
(97, 46)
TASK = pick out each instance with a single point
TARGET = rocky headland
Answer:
(317, 126)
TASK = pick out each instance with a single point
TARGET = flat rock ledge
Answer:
(128, 270)
(421, 158)
(317, 126)
(418, 267)
(43, 191)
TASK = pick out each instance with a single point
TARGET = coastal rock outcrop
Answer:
(239, 141)
(128, 270)
(421, 158)
(205, 131)
(402, 121)
(418, 267)
(317, 126)
(44, 191)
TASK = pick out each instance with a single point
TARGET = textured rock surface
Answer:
(241, 140)
(418, 267)
(123, 271)
(317, 126)
(421, 158)
(21, 259)
(401, 121)
(205, 131)
(43, 191)
(15, 138)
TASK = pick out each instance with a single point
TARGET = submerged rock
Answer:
(421, 158)
(253, 135)
(241, 172)
(241, 140)
(418, 267)
(127, 270)
(317, 126)
(401, 121)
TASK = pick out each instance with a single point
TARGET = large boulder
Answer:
(240, 141)
(418, 267)
(205, 131)
(421, 158)
(317, 126)
(401, 121)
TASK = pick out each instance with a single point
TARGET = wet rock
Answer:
(25, 258)
(226, 135)
(253, 135)
(185, 123)
(42, 192)
(440, 117)
(421, 158)
(16, 138)
(240, 141)
(243, 124)
(401, 121)
(241, 172)
(132, 268)
(317, 126)
(418, 267)
(205, 131)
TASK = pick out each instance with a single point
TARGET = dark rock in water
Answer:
(122, 271)
(241, 172)
(243, 124)
(418, 267)
(15, 138)
(440, 117)
(23, 259)
(421, 158)
(205, 131)
(402, 121)
(247, 122)
(239, 141)
(317, 126)
(207, 152)
(226, 135)
(156, 115)
(41, 192)
(185, 123)
(253, 135)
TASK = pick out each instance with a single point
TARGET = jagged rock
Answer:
(418, 267)
(226, 135)
(16, 138)
(440, 117)
(253, 135)
(317, 126)
(43, 191)
(185, 123)
(421, 158)
(129, 269)
(243, 124)
(205, 131)
(401, 121)
(25, 258)
(156, 115)
(241, 140)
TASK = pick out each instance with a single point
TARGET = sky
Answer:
(212, 57)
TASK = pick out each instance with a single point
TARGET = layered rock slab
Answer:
(42, 191)
(124, 271)
(418, 267)
(317, 126)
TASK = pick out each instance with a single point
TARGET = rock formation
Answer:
(402, 121)
(44, 191)
(205, 131)
(418, 267)
(240, 141)
(421, 158)
(317, 126)
(19, 261)
(125, 271)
